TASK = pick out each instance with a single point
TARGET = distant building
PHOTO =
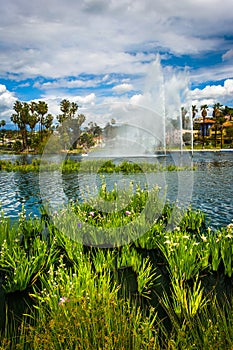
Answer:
(205, 125)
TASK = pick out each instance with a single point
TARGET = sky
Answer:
(115, 52)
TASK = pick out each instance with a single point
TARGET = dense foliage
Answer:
(100, 166)
(169, 288)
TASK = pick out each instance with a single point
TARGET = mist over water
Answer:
(143, 125)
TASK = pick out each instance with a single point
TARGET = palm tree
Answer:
(2, 124)
(21, 118)
(33, 119)
(73, 124)
(15, 120)
(73, 109)
(204, 109)
(194, 111)
(42, 109)
(24, 115)
(183, 116)
(217, 113)
(48, 121)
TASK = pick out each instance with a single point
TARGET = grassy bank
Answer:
(100, 166)
(168, 288)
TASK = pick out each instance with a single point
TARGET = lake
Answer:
(209, 187)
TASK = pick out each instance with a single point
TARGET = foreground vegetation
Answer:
(169, 287)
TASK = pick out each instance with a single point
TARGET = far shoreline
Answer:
(159, 152)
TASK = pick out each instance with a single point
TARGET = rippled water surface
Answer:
(209, 187)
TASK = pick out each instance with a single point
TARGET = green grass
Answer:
(98, 166)
(169, 288)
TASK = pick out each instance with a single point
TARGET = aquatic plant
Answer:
(96, 166)
(171, 288)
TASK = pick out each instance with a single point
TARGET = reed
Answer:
(171, 288)
(96, 166)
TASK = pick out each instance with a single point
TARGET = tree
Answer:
(204, 109)
(42, 109)
(70, 124)
(2, 124)
(217, 116)
(21, 118)
(86, 140)
(48, 121)
(65, 106)
(229, 133)
(183, 116)
(75, 125)
(33, 118)
(73, 109)
(15, 117)
(94, 129)
(194, 111)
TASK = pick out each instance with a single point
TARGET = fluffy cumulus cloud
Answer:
(122, 88)
(85, 102)
(96, 44)
(55, 38)
(7, 100)
(214, 93)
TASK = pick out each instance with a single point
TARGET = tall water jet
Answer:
(144, 125)
(150, 122)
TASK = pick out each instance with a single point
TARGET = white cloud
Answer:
(214, 93)
(54, 39)
(67, 83)
(122, 88)
(89, 99)
(85, 102)
(2, 88)
(7, 100)
(228, 55)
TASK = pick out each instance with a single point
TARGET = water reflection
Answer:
(212, 189)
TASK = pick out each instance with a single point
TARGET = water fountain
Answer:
(152, 122)
(141, 130)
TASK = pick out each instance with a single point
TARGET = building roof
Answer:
(228, 123)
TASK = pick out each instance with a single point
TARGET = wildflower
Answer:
(91, 213)
(63, 300)
(79, 225)
(167, 241)
(127, 212)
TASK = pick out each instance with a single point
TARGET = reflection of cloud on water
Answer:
(19, 190)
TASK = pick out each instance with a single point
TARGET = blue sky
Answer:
(102, 52)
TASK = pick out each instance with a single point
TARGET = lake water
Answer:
(209, 187)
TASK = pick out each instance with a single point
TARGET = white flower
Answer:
(167, 241)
